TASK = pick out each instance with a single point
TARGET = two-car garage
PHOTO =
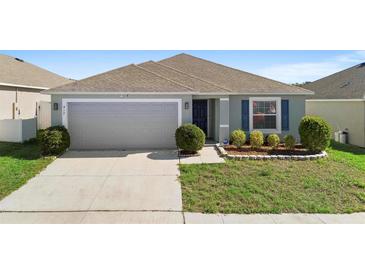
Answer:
(122, 123)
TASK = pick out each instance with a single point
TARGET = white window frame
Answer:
(278, 114)
(66, 101)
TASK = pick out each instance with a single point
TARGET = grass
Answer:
(19, 163)
(331, 185)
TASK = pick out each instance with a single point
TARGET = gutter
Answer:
(22, 86)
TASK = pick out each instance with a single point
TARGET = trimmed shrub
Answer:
(53, 140)
(315, 133)
(189, 138)
(238, 138)
(256, 139)
(289, 141)
(273, 140)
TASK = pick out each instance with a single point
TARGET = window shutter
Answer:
(245, 115)
(285, 114)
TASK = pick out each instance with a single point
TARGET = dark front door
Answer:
(200, 114)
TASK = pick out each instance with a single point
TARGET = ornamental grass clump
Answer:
(289, 142)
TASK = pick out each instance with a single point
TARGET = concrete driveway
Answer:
(94, 181)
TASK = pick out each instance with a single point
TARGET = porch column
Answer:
(223, 119)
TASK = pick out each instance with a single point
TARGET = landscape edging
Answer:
(224, 153)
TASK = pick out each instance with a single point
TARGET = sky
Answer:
(285, 66)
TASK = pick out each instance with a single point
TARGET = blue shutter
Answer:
(285, 115)
(245, 115)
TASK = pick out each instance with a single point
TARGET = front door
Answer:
(200, 114)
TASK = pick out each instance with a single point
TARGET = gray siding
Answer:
(296, 112)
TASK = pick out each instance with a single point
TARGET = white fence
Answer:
(18, 130)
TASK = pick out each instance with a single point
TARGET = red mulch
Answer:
(266, 150)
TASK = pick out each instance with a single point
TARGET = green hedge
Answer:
(53, 140)
(315, 133)
(273, 140)
(189, 138)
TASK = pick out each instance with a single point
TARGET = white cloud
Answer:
(310, 71)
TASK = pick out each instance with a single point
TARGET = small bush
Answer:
(315, 133)
(53, 140)
(189, 138)
(273, 140)
(289, 141)
(238, 138)
(256, 139)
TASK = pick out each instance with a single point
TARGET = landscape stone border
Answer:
(223, 153)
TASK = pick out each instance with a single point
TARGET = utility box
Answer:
(341, 137)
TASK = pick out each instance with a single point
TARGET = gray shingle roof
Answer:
(181, 73)
(346, 84)
(18, 72)
(229, 78)
(193, 82)
(130, 78)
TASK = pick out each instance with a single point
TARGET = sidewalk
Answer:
(173, 217)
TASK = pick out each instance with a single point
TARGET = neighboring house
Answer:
(20, 86)
(340, 99)
(20, 97)
(140, 106)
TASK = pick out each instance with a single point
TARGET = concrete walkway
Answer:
(165, 217)
(208, 155)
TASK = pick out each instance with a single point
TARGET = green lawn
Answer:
(331, 185)
(19, 163)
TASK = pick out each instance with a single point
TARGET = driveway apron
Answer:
(102, 181)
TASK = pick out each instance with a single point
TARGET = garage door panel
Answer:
(122, 125)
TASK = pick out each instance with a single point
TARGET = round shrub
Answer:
(238, 138)
(189, 138)
(53, 140)
(315, 133)
(256, 139)
(273, 140)
(289, 141)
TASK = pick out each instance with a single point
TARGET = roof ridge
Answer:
(192, 76)
(170, 80)
(239, 70)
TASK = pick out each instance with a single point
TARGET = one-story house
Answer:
(140, 106)
(20, 97)
(340, 99)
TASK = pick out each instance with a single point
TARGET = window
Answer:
(265, 114)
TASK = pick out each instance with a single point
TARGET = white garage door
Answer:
(122, 125)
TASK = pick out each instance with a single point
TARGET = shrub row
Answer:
(315, 134)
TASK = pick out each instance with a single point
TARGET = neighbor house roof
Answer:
(16, 72)
(180, 74)
(346, 84)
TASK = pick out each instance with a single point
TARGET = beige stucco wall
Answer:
(26, 99)
(342, 114)
(6, 104)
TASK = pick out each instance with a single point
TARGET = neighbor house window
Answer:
(265, 114)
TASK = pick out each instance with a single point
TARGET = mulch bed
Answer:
(266, 150)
